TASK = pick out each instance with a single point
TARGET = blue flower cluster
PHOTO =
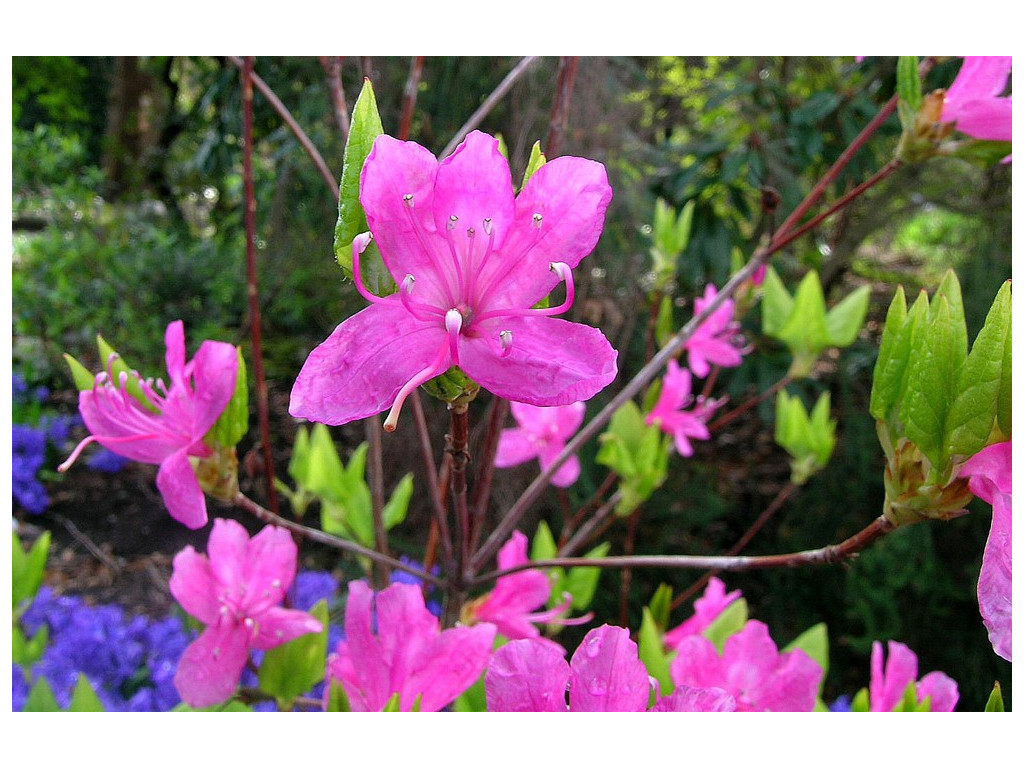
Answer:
(129, 661)
(29, 443)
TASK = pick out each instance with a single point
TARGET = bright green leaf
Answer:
(83, 378)
(398, 504)
(661, 606)
(653, 654)
(84, 698)
(581, 581)
(233, 423)
(730, 621)
(537, 159)
(845, 319)
(814, 642)
(995, 699)
(40, 698)
(292, 669)
(930, 378)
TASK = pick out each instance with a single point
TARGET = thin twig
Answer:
(262, 400)
(412, 87)
(322, 537)
(488, 105)
(780, 498)
(375, 464)
(332, 68)
(583, 535)
(830, 555)
(485, 467)
(433, 487)
(730, 416)
(89, 544)
(296, 129)
(564, 82)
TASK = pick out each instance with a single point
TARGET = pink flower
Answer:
(236, 592)
(751, 669)
(717, 340)
(705, 610)
(511, 605)
(668, 413)
(470, 260)
(888, 686)
(542, 433)
(408, 655)
(990, 471)
(173, 425)
(974, 99)
(605, 675)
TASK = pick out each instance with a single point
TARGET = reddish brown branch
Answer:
(565, 80)
(332, 68)
(412, 87)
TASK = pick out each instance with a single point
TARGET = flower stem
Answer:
(730, 416)
(262, 400)
(433, 486)
(332, 68)
(565, 79)
(243, 502)
(485, 468)
(830, 555)
(412, 86)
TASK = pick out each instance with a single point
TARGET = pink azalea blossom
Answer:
(605, 675)
(542, 433)
(173, 427)
(888, 685)
(668, 413)
(408, 655)
(470, 260)
(974, 101)
(751, 669)
(512, 605)
(717, 340)
(990, 472)
(236, 590)
(705, 610)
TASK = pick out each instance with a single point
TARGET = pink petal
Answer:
(193, 585)
(705, 610)
(607, 674)
(370, 683)
(174, 340)
(228, 549)
(687, 699)
(987, 119)
(458, 657)
(979, 77)
(473, 184)
(360, 368)
(405, 235)
(526, 676)
(571, 195)
(215, 368)
(792, 685)
(270, 564)
(180, 490)
(568, 473)
(509, 604)
(887, 687)
(406, 630)
(941, 688)
(279, 625)
(210, 668)
(553, 362)
(515, 446)
(698, 664)
(126, 428)
(993, 464)
(995, 590)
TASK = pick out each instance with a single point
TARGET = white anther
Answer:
(408, 200)
(506, 343)
(452, 221)
(408, 283)
(537, 219)
(488, 226)
(470, 232)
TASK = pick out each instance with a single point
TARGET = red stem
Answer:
(412, 86)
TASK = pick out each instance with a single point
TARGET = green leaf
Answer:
(845, 319)
(27, 568)
(397, 506)
(776, 304)
(116, 364)
(653, 655)
(292, 669)
(473, 699)
(995, 699)
(974, 408)
(231, 705)
(364, 129)
(543, 546)
(298, 464)
(27, 652)
(393, 704)
(84, 698)
(40, 698)
(664, 327)
(661, 606)
(233, 423)
(337, 700)
(861, 702)
(814, 642)
(730, 621)
(898, 340)
(805, 332)
(537, 159)
(950, 289)
(930, 378)
(908, 82)
(1004, 404)
(83, 378)
(581, 581)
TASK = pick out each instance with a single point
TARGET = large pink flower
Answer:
(471, 260)
(605, 675)
(172, 428)
(717, 340)
(669, 414)
(991, 480)
(542, 433)
(889, 684)
(705, 610)
(236, 591)
(512, 605)
(408, 655)
(751, 669)
(974, 101)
